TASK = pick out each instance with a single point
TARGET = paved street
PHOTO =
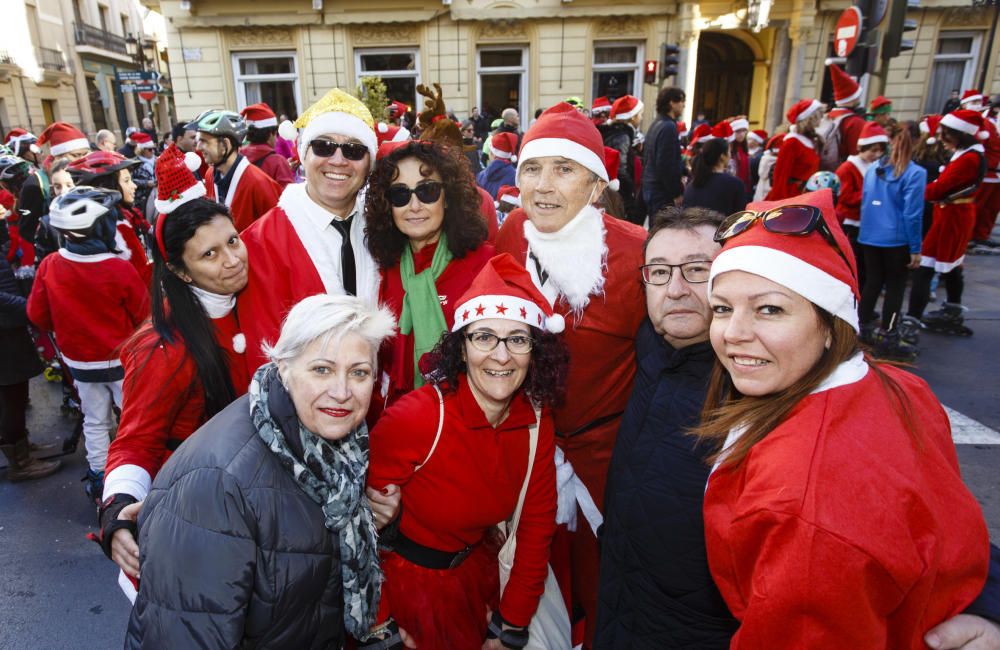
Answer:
(57, 591)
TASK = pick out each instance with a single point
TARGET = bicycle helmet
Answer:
(99, 163)
(79, 208)
(220, 123)
(824, 180)
(20, 141)
(13, 168)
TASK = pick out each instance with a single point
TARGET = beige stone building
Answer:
(753, 57)
(59, 59)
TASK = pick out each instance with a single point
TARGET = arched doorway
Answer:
(724, 76)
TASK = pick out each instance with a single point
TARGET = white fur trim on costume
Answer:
(241, 167)
(69, 145)
(848, 372)
(166, 206)
(953, 122)
(958, 154)
(739, 124)
(498, 306)
(86, 259)
(542, 147)
(801, 138)
(91, 365)
(127, 479)
(856, 95)
(941, 267)
(571, 493)
(342, 124)
(621, 117)
(813, 284)
(807, 113)
(402, 134)
(263, 124)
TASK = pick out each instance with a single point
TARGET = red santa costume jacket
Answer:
(988, 198)
(92, 303)
(797, 161)
(397, 353)
(132, 251)
(954, 210)
(850, 130)
(251, 194)
(852, 180)
(162, 404)
(842, 529)
(476, 473)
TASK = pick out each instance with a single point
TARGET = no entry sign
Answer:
(847, 31)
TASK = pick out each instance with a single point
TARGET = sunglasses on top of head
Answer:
(427, 192)
(327, 148)
(796, 220)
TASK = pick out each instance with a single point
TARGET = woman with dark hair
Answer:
(111, 171)
(184, 366)
(739, 152)
(427, 236)
(711, 186)
(953, 195)
(835, 488)
(464, 441)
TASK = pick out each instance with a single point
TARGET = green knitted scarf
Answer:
(421, 312)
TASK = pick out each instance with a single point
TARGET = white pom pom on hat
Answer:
(383, 127)
(287, 130)
(614, 185)
(555, 323)
(192, 161)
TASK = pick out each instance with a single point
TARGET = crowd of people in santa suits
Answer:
(775, 524)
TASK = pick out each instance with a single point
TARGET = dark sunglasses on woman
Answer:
(326, 148)
(427, 192)
(796, 220)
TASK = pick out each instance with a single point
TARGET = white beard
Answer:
(574, 257)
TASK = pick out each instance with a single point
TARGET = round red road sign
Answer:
(147, 95)
(847, 31)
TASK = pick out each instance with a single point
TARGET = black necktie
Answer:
(543, 277)
(347, 270)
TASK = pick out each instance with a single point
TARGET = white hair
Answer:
(327, 317)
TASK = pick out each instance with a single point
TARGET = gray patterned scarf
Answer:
(333, 475)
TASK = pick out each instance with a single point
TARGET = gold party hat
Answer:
(336, 101)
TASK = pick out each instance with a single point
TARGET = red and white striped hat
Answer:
(803, 110)
(758, 135)
(612, 161)
(503, 145)
(504, 289)
(966, 121)
(390, 133)
(259, 116)
(723, 130)
(563, 131)
(872, 133)
(972, 96)
(739, 123)
(930, 126)
(143, 140)
(601, 105)
(625, 108)
(845, 89)
(63, 138)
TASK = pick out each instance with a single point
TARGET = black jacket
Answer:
(655, 588)
(662, 169)
(233, 553)
(20, 359)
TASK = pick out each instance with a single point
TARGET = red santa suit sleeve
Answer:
(489, 211)
(797, 161)
(850, 131)
(136, 254)
(255, 194)
(961, 172)
(851, 186)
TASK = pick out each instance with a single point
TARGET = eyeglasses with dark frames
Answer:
(658, 274)
(487, 342)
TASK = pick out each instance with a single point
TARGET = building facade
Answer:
(754, 58)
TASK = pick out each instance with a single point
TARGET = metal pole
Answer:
(989, 45)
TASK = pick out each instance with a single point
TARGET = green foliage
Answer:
(372, 93)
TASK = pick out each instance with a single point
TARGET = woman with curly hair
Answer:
(425, 233)
(465, 441)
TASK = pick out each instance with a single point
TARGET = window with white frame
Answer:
(503, 79)
(617, 69)
(954, 67)
(269, 77)
(399, 70)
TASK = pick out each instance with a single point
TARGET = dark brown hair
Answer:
(672, 217)
(463, 225)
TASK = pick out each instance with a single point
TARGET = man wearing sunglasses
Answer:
(314, 240)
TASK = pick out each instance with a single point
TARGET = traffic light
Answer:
(862, 59)
(669, 60)
(650, 72)
(894, 44)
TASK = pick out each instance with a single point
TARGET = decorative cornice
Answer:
(394, 33)
(256, 36)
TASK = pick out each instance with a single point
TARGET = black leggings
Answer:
(13, 403)
(920, 292)
(884, 266)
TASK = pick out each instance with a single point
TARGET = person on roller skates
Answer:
(953, 195)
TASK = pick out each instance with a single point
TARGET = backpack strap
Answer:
(437, 436)
(259, 163)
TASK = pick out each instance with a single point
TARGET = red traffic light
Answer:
(650, 72)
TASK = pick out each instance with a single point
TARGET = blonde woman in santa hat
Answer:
(186, 364)
(798, 158)
(954, 195)
(459, 447)
(836, 488)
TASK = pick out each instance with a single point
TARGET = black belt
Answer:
(427, 557)
(590, 425)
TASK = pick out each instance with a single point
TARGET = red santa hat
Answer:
(176, 185)
(872, 133)
(563, 131)
(845, 89)
(682, 129)
(63, 138)
(259, 116)
(143, 140)
(625, 108)
(880, 105)
(972, 96)
(966, 121)
(612, 160)
(504, 289)
(758, 135)
(775, 142)
(397, 109)
(510, 195)
(701, 132)
(390, 133)
(739, 124)
(16, 139)
(803, 110)
(808, 265)
(930, 126)
(723, 130)
(503, 145)
(601, 105)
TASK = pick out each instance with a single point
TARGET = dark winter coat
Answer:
(655, 590)
(662, 169)
(20, 360)
(234, 553)
(497, 174)
(620, 136)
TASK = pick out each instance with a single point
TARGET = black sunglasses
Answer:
(796, 220)
(352, 150)
(427, 192)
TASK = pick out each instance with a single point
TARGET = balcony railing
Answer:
(51, 59)
(6, 58)
(97, 37)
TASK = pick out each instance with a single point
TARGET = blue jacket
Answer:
(497, 174)
(892, 209)
(655, 590)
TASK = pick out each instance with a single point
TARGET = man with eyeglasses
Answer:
(313, 241)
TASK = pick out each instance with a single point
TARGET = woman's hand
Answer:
(124, 549)
(385, 504)
(914, 261)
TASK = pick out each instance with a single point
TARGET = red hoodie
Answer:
(264, 156)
